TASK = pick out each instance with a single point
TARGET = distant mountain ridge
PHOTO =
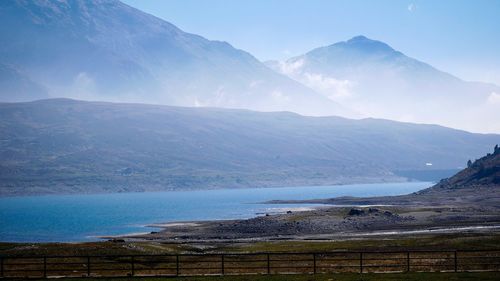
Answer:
(373, 79)
(105, 50)
(69, 146)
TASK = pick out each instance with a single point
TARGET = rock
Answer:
(115, 240)
(288, 212)
(356, 212)
(373, 210)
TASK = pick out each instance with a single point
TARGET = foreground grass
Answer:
(420, 242)
(487, 276)
(430, 242)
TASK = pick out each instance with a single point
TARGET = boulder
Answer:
(356, 212)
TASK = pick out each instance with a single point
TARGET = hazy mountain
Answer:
(375, 80)
(17, 86)
(73, 146)
(106, 50)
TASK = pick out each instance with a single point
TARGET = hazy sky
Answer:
(457, 36)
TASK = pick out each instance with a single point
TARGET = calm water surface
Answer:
(69, 218)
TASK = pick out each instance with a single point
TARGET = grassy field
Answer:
(486, 276)
(420, 242)
(300, 263)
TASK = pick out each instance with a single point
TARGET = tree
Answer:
(469, 163)
(497, 149)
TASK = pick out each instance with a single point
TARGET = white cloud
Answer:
(220, 96)
(84, 80)
(255, 83)
(198, 103)
(83, 86)
(494, 98)
(412, 7)
(408, 117)
(329, 86)
(279, 96)
(292, 67)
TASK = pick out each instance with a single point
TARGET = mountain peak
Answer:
(359, 38)
(358, 47)
(364, 43)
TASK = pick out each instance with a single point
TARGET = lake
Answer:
(71, 218)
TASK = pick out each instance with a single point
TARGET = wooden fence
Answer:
(248, 263)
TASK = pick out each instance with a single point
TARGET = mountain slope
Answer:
(106, 50)
(61, 146)
(17, 86)
(484, 172)
(373, 79)
(474, 190)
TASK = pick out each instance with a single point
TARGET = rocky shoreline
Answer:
(335, 223)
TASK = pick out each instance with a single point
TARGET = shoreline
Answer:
(429, 211)
(412, 214)
(341, 236)
(166, 225)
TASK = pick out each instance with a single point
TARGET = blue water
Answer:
(70, 218)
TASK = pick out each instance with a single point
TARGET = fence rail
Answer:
(248, 263)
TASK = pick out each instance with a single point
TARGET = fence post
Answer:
(44, 267)
(177, 265)
(132, 266)
(408, 261)
(361, 262)
(456, 262)
(314, 263)
(88, 266)
(222, 264)
(268, 264)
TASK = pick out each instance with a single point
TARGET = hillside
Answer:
(375, 80)
(484, 172)
(69, 146)
(108, 51)
(478, 184)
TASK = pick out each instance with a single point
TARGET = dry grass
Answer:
(250, 264)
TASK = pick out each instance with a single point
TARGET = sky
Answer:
(456, 36)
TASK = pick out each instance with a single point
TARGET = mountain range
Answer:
(69, 146)
(106, 50)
